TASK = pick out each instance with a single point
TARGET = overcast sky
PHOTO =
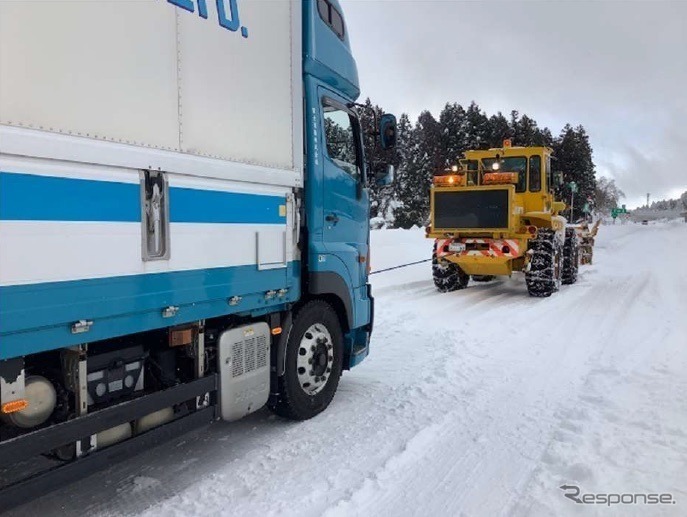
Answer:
(617, 68)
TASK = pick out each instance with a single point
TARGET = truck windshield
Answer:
(510, 164)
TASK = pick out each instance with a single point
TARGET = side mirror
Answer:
(387, 131)
(386, 178)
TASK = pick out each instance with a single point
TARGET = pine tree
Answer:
(499, 130)
(423, 161)
(546, 137)
(390, 202)
(574, 159)
(526, 132)
(453, 137)
(476, 128)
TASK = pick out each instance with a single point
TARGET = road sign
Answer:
(573, 187)
(615, 212)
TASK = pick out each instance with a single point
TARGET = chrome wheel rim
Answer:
(315, 359)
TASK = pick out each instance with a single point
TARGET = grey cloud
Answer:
(618, 68)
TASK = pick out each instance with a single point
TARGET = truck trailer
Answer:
(184, 223)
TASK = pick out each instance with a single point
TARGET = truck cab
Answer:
(337, 200)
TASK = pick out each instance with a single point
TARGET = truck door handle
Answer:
(332, 218)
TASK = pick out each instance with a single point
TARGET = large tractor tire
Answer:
(483, 278)
(314, 359)
(544, 275)
(447, 275)
(571, 257)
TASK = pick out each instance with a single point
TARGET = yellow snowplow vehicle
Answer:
(494, 213)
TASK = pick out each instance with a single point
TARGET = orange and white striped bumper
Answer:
(509, 248)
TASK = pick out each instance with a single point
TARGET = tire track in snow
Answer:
(439, 473)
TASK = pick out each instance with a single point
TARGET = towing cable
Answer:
(398, 267)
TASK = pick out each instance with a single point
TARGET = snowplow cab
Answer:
(488, 214)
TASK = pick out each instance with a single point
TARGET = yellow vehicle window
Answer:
(472, 168)
(517, 164)
(535, 174)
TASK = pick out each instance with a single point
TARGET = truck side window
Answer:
(535, 174)
(337, 23)
(341, 139)
(331, 17)
(323, 8)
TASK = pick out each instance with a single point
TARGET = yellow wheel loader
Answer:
(494, 213)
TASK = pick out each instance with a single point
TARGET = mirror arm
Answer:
(374, 115)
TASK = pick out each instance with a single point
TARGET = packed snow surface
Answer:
(477, 402)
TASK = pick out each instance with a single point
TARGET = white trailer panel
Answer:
(149, 74)
(98, 69)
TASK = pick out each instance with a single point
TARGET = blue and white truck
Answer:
(184, 229)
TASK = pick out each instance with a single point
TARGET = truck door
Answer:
(345, 200)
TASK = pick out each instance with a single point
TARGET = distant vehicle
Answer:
(184, 220)
(494, 214)
(645, 222)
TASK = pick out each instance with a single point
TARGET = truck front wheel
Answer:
(314, 354)
(447, 275)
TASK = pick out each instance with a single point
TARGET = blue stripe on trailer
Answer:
(211, 206)
(38, 317)
(30, 197)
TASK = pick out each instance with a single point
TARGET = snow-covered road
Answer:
(478, 402)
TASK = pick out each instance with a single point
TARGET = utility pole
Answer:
(572, 204)
(573, 189)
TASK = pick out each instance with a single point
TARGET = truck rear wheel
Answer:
(314, 355)
(447, 275)
(571, 257)
(544, 275)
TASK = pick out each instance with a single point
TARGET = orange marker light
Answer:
(14, 406)
(276, 331)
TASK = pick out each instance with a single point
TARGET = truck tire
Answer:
(571, 257)
(483, 278)
(544, 275)
(448, 276)
(314, 356)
